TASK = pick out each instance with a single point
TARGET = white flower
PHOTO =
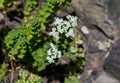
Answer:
(49, 52)
(50, 59)
(54, 49)
(54, 33)
(65, 29)
(66, 23)
(72, 20)
(57, 36)
(58, 21)
(53, 53)
(70, 33)
(60, 30)
(54, 57)
(68, 17)
(52, 45)
(66, 26)
(74, 24)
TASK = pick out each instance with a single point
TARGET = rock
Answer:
(105, 78)
(95, 63)
(103, 45)
(102, 19)
(99, 14)
(112, 62)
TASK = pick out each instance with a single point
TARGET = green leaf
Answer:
(81, 55)
(73, 79)
(73, 49)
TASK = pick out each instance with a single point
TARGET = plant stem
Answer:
(12, 71)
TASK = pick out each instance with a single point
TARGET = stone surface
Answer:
(105, 78)
(112, 62)
(102, 18)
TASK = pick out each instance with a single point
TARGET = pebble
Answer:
(103, 45)
(85, 30)
(89, 72)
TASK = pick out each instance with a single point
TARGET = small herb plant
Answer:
(25, 78)
(30, 41)
(3, 70)
(63, 36)
(38, 45)
(6, 4)
(30, 6)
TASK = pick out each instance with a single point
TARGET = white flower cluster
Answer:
(53, 53)
(72, 20)
(64, 27)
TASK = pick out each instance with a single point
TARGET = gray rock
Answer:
(102, 17)
(113, 11)
(102, 14)
(112, 62)
(105, 78)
